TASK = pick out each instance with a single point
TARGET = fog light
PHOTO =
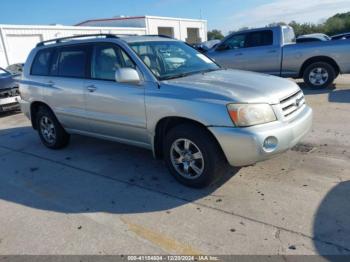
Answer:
(270, 144)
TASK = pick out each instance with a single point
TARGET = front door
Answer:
(115, 110)
(253, 51)
(229, 53)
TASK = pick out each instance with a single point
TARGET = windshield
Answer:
(170, 59)
(3, 72)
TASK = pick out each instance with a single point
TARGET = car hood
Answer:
(6, 82)
(239, 86)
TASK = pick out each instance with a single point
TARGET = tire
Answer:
(57, 138)
(212, 164)
(319, 75)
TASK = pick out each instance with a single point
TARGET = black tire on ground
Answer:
(61, 139)
(215, 162)
(324, 82)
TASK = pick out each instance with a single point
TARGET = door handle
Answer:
(91, 88)
(272, 51)
(238, 54)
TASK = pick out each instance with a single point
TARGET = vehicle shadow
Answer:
(332, 221)
(334, 95)
(89, 176)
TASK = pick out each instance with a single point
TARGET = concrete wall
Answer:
(17, 41)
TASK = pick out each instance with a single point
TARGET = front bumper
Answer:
(9, 103)
(244, 146)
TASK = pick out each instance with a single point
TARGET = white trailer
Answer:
(16, 41)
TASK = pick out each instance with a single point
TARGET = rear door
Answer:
(115, 110)
(261, 54)
(64, 87)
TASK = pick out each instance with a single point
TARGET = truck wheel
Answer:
(51, 133)
(193, 156)
(319, 75)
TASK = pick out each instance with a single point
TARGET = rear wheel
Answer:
(193, 156)
(51, 133)
(319, 75)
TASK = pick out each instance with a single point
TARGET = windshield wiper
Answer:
(176, 76)
(211, 70)
(188, 73)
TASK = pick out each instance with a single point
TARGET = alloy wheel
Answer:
(318, 76)
(48, 130)
(187, 158)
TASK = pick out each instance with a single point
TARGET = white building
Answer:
(189, 30)
(16, 41)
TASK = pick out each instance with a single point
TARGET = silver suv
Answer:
(163, 95)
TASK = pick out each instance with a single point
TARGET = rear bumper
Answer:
(244, 146)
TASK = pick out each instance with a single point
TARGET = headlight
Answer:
(251, 114)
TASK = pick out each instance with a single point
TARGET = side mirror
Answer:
(127, 75)
(222, 47)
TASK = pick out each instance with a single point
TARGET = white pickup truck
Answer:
(272, 50)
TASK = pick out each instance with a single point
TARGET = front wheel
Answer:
(193, 156)
(319, 75)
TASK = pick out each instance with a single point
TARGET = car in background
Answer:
(273, 50)
(9, 92)
(15, 69)
(205, 46)
(312, 38)
(343, 36)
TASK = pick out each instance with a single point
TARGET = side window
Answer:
(260, 38)
(127, 60)
(236, 41)
(106, 59)
(41, 63)
(71, 62)
(288, 35)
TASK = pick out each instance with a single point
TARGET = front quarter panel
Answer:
(172, 101)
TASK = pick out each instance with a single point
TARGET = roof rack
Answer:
(59, 40)
(164, 36)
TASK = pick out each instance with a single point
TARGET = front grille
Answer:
(11, 92)
(292, 104)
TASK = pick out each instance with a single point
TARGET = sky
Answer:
(225, 15)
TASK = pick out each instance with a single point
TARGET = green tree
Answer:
(339, 23)
(215, 34)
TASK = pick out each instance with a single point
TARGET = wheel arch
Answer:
(316, 59)
(167, 123)
(34, 108)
